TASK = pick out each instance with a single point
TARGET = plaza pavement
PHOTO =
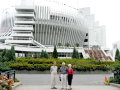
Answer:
(78, 79)
(80, 82)
(76, 87)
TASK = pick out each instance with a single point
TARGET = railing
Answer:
(8, 33)
(25, 13)
(23, 26)
(9, 73)
(24, 20)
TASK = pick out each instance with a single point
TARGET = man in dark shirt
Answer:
(63, 75)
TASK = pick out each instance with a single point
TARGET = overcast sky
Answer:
(107, 12)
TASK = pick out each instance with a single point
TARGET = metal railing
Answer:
(9, 73)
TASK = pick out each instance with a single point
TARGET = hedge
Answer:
(59, 61)
(44, 64)
(21, 66)
(4, 66)
(116, 71)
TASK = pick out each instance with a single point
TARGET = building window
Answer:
(86, 40)
(86, 34)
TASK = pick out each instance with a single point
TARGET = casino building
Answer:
(38, 25)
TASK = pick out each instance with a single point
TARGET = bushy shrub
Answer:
(44, 64)
(26, 66)
(4, 67)
(44, 54)
(75, 54)
(42, 67)
(103, 67)
(21, 66)
(116, 71)
(7, 55)
(113, 80)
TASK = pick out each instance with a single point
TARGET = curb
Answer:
(115, 85)
(16, 85)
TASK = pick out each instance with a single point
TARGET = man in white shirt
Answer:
(63, 74)
(53, 71)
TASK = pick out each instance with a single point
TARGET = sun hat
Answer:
(69, 65)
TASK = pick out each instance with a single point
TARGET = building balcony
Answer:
(23, 28)
(19, 41)
(22, 35)
(24, 22)
(24, 15)
(20, 8)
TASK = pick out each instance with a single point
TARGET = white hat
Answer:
(69, 65)
(63, 63)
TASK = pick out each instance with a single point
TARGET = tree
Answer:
(75, 54)
(8, 55)
(59, 44)
(55, 53)
(5, 55)
(117, 55)
(77, 45)
(44, 54)
(12, 53)
(67, 44)
(97, 47)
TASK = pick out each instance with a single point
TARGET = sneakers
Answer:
(64, 89)
(54, 88)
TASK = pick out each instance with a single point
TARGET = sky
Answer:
(107, 12)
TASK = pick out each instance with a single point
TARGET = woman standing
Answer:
(70, 76)
(53, 71)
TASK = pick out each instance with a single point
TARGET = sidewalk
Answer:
(80, 87)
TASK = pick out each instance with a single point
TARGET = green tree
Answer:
(117, 55)
(59, 44)
(97, 47)
(77, 44)
(12, 51)
(67, 44)
(8, 55)
(55, 53)
(75, 54)
(5, 55)
(44, 54)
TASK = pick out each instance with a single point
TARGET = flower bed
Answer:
(6, 83)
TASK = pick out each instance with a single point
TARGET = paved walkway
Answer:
(80, 82)
(78, 79)
(80, 87)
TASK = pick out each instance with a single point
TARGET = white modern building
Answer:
(40, 24)
(116, 46)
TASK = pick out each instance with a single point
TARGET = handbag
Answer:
(59, 78)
